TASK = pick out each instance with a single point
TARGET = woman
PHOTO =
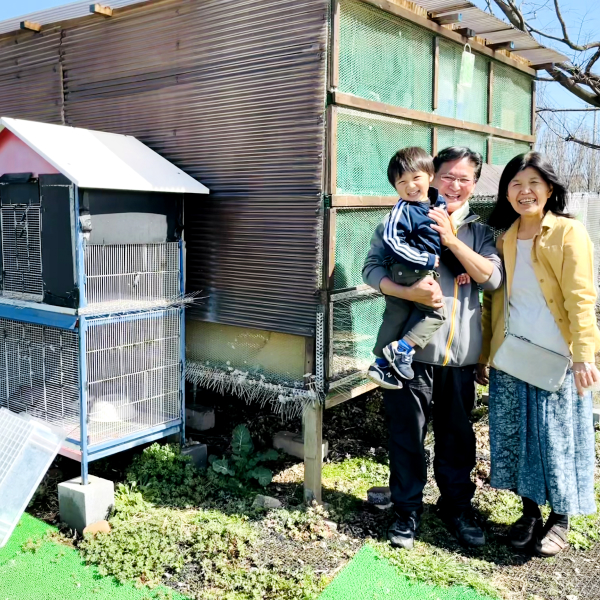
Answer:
(542, 443)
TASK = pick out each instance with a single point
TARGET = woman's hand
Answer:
(482, 374)
(586, 375)
(443, 226)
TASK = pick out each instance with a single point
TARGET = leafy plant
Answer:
(244, 464)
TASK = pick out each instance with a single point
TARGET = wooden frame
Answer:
(349, 201)
(408, 15)
(533, 106)
(330, 224)
(331, 145)
(436, 73)
(334, 65)
(355, 102)
(490, 107)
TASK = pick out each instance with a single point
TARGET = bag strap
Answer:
(506, 306)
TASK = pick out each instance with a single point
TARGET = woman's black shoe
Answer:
(526, 530)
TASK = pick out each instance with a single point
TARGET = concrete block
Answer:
(199, 417)
(379, 495)
(266, 502)
(82, 505)
(198, 454)
(293, 444)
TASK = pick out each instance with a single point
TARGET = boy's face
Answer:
(413, 187)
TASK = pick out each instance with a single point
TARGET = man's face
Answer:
(455, 181)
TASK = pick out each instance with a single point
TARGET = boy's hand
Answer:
(437, 262)
(443, 226)
(463, 279)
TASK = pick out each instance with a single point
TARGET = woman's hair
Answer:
(504, 215)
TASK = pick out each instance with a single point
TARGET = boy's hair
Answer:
(409, 160)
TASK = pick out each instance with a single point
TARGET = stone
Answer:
(99, 527)
(331, 524)
(266, 502)
(81, 505)
(199, 455)
(293, 444)
(199, 418)
(379, 495)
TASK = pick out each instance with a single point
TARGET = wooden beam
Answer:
(334, 66)
(336, 399)
(466, 32)
(543, 66)
(450, 19)
(331, 184)
(502, 46)
(533, 106)
(490, 112)
(330, 259)
(434, 141)
(348, 201)
(312, 425)
(309, 361)
(436, 72)
(31, 26)
(355, 102)
(99, 9)
(489, 151)
(403, 13)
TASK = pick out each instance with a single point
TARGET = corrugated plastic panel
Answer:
(30, 78)
(233, 94)
(384, 58)
(459, 101)
(512, 98)
(459, 137)
(365, 144)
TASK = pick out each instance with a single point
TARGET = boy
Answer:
(413, 251)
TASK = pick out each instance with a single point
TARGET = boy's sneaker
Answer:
(383, 377)
(400, 359)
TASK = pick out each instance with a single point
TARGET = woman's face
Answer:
(528, 193)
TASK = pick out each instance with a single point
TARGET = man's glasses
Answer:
(463, 181)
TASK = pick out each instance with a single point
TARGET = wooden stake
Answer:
(313, 452)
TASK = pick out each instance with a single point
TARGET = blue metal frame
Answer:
(38, 316)
(182, 344)
(79, 250)
(83, 432)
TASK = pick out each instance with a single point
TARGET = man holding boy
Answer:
(444, 380)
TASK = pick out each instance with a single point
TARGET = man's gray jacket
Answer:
(458, 342)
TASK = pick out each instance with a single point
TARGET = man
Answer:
(444, 378)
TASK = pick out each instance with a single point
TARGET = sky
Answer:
(582, 18)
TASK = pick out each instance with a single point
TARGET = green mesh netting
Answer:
(505, 150)
(459, 137)
(365, 144)
(384, 58)
(483, 206)
(353, 231)
(458, 101)
(511, 99)
(355, 325)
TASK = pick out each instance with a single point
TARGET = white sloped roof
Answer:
(94, 159)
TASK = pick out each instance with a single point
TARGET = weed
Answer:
(32, 545)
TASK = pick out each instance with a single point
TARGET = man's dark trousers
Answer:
(449, 394)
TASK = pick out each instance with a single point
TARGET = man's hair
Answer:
(409, 160)
(458, 153)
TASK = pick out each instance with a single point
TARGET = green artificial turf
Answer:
(370, 577)
(34, 567)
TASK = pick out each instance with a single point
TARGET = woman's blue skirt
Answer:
(542, 443)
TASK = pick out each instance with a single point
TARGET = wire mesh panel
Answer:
(505, 150)
(456, 100)
(133, 373)
(459, 137)
(365, 144)
(384, 58)
(39, 372)
(512, 99)
(22, 252)
(353, 231)
(355, 323)
(130, 276)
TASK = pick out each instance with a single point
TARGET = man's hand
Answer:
(443, 226)
(437, 262)
(426, 291)
(482, 374)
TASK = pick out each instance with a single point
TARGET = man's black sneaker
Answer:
(400, 360)
(403, 530)
(383, 377)
(463, 525)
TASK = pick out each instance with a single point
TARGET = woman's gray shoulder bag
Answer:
(529, 362)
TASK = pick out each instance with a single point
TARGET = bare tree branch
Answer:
(570, 138)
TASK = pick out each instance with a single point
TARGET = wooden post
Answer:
(490, 146)
(331, 150)
(490, 115)
(334, 66)
(312, 426)
(533, 106)
(436, 71)
(434, 141)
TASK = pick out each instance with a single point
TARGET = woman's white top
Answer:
(530, 316)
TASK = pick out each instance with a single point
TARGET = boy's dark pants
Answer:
(397, 312)
(448, 393)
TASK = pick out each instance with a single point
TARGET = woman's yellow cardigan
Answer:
(563, 261)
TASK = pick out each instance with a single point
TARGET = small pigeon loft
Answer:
(91, 287)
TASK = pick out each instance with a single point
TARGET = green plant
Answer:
(243, 464)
